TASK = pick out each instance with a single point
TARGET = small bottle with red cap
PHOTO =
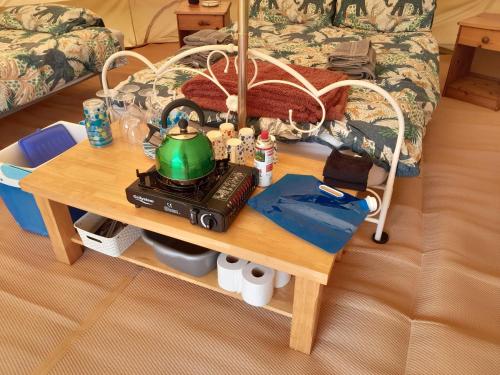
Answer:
(264, 157)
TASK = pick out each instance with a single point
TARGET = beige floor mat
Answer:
(44, 303)
(428, 302)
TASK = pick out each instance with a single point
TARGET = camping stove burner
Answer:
(152, 179)
(211, 202)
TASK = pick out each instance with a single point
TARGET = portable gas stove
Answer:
(211, 202)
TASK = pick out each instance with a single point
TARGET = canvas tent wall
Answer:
(134, 17)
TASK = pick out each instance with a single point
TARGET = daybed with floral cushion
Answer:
(44, 48)
(407, 67)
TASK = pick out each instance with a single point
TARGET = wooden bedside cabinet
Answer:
(191, 18)
(479, 32)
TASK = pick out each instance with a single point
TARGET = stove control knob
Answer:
(193, 216)
(208, 221)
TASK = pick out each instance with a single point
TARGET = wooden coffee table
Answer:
(95, 180)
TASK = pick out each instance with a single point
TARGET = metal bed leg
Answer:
(384, 236)
(378, 217)
(380, 236)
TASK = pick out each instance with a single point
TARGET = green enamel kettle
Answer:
(185, 154)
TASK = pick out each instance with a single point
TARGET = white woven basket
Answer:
(113, 246)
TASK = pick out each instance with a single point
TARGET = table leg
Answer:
(306, 306)
(60, 227)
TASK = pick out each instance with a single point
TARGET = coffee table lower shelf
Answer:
(143, 255)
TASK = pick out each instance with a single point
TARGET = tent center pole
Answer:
(242, 62)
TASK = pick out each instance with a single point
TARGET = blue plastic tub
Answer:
(13, 167)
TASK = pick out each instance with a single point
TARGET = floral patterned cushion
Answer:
(286, 11)
(385, 15)
(54, 19)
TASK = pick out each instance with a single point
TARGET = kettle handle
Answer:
(183, 102)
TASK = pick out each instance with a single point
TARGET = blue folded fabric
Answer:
(297, 204)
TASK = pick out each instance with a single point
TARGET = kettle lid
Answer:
(183, 130)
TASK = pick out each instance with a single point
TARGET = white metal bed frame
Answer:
(378, 217)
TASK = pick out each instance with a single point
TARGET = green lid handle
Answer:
(181, 103)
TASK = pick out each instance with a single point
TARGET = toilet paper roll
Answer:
(235, 151)
(246, 136)
(230, 272)
(257, 285)
(281, 279)
(227, 130)
(218, 144)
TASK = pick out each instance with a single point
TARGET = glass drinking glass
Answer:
(132, 122)
(149, 106)
(129, 88)
(148, 92)
(109, 97)
(131, 108)
(110, 93)
(135, 135)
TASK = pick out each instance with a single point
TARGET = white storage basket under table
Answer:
(112, 246)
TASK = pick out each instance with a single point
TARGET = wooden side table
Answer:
(79, 177)
(191, 18)
(482, 31)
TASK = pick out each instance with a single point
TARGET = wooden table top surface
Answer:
(95, 180)
(489, 21)
(186, 8)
